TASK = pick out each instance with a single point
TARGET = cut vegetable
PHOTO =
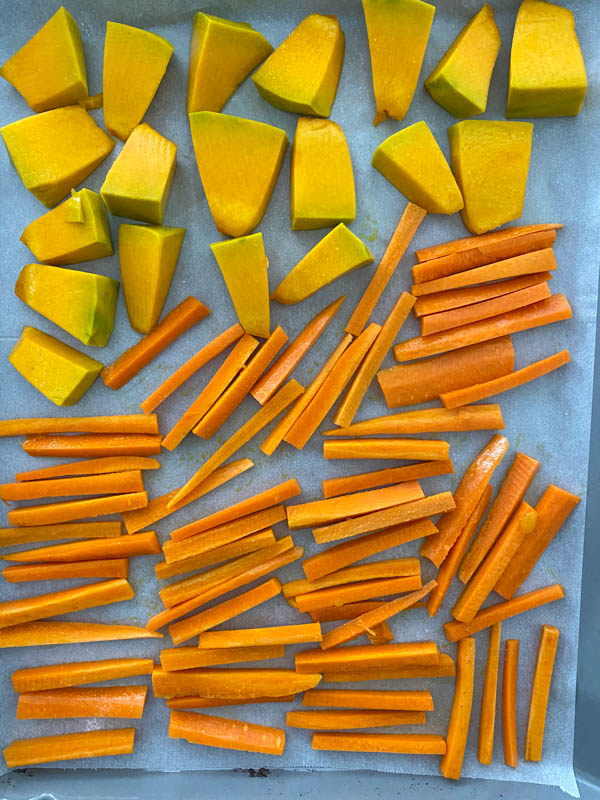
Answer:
(509, 702)
(352, 720)
(487, 719)
(67, 746)
(369, 699)
(387, 448)
(116, 483)
(361, 590)
(193, 701)
(96, 466)
(108, 568)
(346, 659)
(57, 676)
(333, 487)
(117, 423)
(46, 533)
(76, 509)
(390, 568)
(92, 445)
(281, 634)
(123, 702)
(232, 684)
(232, 734)
(444, 669)
(460, 716)
(429, 420)
(140, 544)
(34, 634)
(181, 658)
(540, 691)
(402, 743)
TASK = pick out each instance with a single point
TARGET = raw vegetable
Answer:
(66, 746)
(397, 449)
(140, 544)
(107, 483)
(444, 669)
(56, 676)
(404, 743)
(108, 568)
(231, 734)
(369, 699)
(232, 683)
(361, 590)
(281, 634)
(117, 423)
(123, 702)
(92, 445)
(487, 719)
(95, 466)
(68, 530)
(460, 715)
(178, 658)
(540, 691)
(333, 487)
(76, 509)
(34, 634)
(352, 720)
(429, 420)
(509, 702)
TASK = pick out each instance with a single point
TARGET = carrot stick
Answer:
(96, 466)
(107, 568)
(258, 502)
(231, 734)
(449, 566)
(408, 384)
(554, 309)
(487, 720)
(193, 701)
(92, 445)
(346, 611)
(509, 702)
(369, 699)
(500, 611)
(493, 237)
(67, 746)
(181, 658)
(428, 420)
(529, 373)
(69, 530)
(189, 312)
(460, 716)
(425, 450)
(140, 544)
(471, 599)
(278, 403)
(287, 362)
(352, 720)
(108, 483)
(158, 509)
(123, 702)
(540, 692)
(408, 224)
(402, 743)
(34, 634)
(377, 520)
(373, 360)
(280, 634)
(439, 302)
(231, 684)
(211, 350)
(380, 634)
(57, 676)
(231, 398)
(466, 497)
(512, 491)
(215, 387)
(333, 487)
(391, 568)
(49, 513)
(553, 508)
(345, 659)
(361, 590)
(444, 669)
(117, 423)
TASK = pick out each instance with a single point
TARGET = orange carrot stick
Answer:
(345, 659)
(428, 420)
(188, 313)
(107, 568)
(402, 743)
(466, 497)
(408, 224)
(92, 445)
(540, 692)
(178, 658)
(369, 699)
(346, 611)
(553, 508)
(287, 362)
(480, 391)
(408, 384)
(109, 483)
(158, 509)
(380, 634)
(231, 734)
(444, 669)
(460, 716)
(117, 423)
(509, 702)
(554, 309)
(67, 746)
(49, 513)
(373, 360)
(333, 487)
(471, 599)
(193, 701)
(361, 590)
(512, 491)
(449, 566)
(231, 398)
(346, 553)
(415, 449)
(500, 611)
(34, 634)
(278, 403)
(487, 720)
(215, 387)
(211, 350)
(57, 676)
(320, 512)
(377, 520)
(48, 533)
(390, 568)
(123, 702)
(140, 544)
(352, 720)
(245, 637)
(231, 684)
(96, 466)
(491, 238)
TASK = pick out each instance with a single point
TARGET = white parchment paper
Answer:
(549, 419)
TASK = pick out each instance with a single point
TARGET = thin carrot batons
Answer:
(108, 483)
(280, 634)
(390, 568)
(67, 746)
(509, 702)
(96, 466)
(92, 445)
(444, 669)
(178, 658)
(123, 702)
(139, 544)
(333, 487)
(50, 513)
(106, 568)
(352, 592)
(57, 676)
(351, 720)
(347, 659)
(67, 530)
(194, 701)
(369, 699)
(460, 715)
(415, 449)
(232, 734)
(428, 420)
(401, 743)
(230, 684)
(540, 692)
(35, 634)
(117, 423)
(487, 719)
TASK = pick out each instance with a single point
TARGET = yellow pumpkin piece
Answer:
(243, 264)
(398, 31)
(92, 102)
(321, 178)
(491, 160)
(303, 73)
(81, 303)
(148, 256)
(547, 74)
(239, 161)
(134, 64)
(55, 151)
(49, 70)
(53, 239)
(58, 371)
(461, 80)
(338, 252)
(222, 55)
(74, 208)
(139, 181)
(412, 161)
